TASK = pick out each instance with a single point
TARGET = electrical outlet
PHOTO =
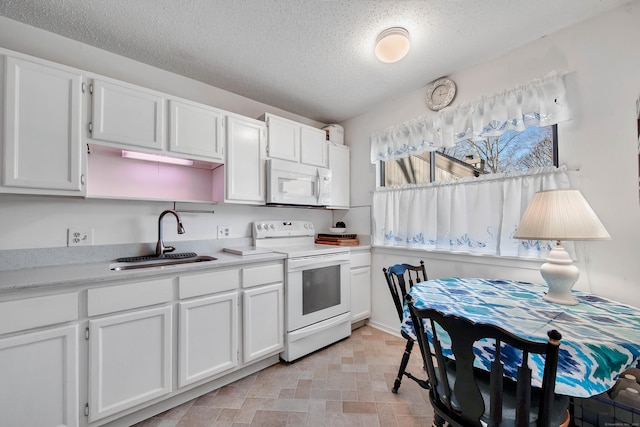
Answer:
(224, 231)
(78, 236)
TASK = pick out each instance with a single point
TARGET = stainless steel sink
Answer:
(159, 262)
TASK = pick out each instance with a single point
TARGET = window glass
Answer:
(513, 151)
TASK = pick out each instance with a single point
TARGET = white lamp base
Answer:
(560, 274)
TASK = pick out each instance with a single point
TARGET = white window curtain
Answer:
(541, 102)
(473, 215)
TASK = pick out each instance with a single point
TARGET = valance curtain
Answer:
(473, 215)
(541, 102)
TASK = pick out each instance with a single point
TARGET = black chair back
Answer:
(464, 395)
(400, 278)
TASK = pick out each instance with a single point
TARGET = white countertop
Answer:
(72, 275)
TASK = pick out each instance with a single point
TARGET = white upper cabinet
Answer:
(196, 129)
(245, 164)
(340, 183)
(42, 129)
(313, 146)
(283, 138)
(296, 142)
(127, 114)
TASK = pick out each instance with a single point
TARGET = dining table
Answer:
(600, 337)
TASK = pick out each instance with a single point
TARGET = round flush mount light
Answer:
(392, 44)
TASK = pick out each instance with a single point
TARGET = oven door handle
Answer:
(305, 264)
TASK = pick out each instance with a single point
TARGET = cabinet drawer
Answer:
(360, 259)
(36, 312)
(130, 295)
(254, 276)
(208, 283)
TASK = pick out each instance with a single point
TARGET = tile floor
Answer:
(346, 384)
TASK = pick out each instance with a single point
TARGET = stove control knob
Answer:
(306, 225)
(259, 226)
(310, 226)
(273, 227)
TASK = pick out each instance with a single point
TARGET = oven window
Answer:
(320, 289)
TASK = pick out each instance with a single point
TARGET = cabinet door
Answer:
(263, 321)
(245, 166)
(196, 129)
(360, 293)
(208, 337)
(43, 111)
(129, 360)
(283, 138)
(340, 182)
(125, 114)
(313, 146)
(39, 373)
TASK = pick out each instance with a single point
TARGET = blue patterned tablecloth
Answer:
(600, 337)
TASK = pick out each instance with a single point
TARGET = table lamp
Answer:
(560, 215)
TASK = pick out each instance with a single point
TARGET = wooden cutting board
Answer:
(338, 242)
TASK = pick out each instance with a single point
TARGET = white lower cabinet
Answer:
(129, 360)
(39, 361)
(208, 325)
(119, 351)
(39, 378)
(208, 337)
(263, 311)
(130, 345)
(360, 285)
(263, 331)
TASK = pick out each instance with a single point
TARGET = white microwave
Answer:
(290, 183)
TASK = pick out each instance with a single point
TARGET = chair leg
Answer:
(403, 366)
(438, 421)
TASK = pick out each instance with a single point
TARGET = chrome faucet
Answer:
(160, 247)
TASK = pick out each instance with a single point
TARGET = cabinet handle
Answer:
(82, 179)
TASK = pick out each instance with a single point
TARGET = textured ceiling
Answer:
(310, 57)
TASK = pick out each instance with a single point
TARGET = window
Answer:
(510, 152)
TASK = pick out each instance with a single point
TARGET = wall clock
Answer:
(440, 93)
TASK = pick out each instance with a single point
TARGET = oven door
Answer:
(318, 288)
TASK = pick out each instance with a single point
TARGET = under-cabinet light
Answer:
(156, 158)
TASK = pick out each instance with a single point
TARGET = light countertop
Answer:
(73, 275)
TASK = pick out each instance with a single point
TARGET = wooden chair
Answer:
(400, 278)
(463, 395)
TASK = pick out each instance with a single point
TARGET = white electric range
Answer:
(317, 286)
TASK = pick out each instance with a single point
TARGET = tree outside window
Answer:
(510, 152)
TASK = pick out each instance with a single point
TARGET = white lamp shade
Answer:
(392, 44)
(560, 215)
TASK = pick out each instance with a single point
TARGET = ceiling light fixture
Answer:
(392, 44)
(156, 158)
